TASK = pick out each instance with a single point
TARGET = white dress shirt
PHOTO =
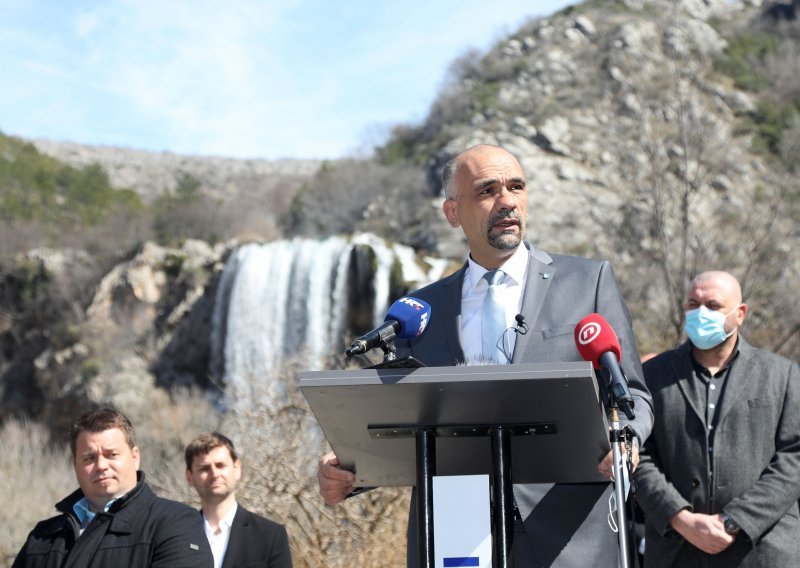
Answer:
(473, 292)
(219, 539)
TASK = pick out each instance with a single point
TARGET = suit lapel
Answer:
(684, 372)
(451, 312)
(236, 540)
(541, 273)
(737, 380)
(734, 384)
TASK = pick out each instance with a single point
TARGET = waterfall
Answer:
(296, 297)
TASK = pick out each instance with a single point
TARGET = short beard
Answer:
(505, 241)
(210, 498)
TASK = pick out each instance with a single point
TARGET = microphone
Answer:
(522, 325)
(597, 342)
(407, 318)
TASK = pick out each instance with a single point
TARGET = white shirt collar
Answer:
(228, 518)
(219, 541)
(227, 521)
(515, 268)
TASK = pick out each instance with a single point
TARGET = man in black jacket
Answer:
(237, 536)
(114, 518)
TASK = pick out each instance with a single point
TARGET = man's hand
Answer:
(706, 532)
(335, 483)
(606, 468)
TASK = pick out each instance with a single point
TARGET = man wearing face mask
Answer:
(719, 477)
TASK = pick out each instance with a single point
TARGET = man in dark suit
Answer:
(561, 525)
(238, 537)
(720, 477)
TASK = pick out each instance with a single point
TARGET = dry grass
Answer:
(33, 477)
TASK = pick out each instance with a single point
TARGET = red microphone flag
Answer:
(593, 337)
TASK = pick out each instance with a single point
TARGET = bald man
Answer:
(556, 525)
(719, 478)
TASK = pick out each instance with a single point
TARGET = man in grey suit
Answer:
(561, 525)
(719, 479)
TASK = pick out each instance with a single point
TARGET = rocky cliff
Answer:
(153, 173)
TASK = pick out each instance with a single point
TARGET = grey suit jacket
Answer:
(565, 524)
(756, 459)
(256, 542)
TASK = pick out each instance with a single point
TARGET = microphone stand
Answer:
(390, 359)
(389, 348)
(617, 437)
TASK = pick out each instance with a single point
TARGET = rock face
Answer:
(153, 173)
(581, 90)
(149, 322)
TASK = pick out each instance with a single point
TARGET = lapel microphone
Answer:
(522, 326)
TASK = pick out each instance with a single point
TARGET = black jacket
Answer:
(140, 530)
(256, 542)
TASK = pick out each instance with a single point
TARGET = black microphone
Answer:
(387, 331)
(522, 325)
(597, 342)
(407, 318)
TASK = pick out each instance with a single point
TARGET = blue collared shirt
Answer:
(86, 515)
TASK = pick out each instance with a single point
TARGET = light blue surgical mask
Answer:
(706, 328)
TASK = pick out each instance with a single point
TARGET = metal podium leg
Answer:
(426, 469)
(503, 515)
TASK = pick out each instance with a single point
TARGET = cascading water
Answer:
(288, 298)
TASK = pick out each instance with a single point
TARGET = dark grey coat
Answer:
(756, 459)
(565, 524)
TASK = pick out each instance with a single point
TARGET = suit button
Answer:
(695, 483)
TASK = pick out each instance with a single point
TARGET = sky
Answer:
(237, 78)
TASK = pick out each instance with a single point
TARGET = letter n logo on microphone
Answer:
(589, 332)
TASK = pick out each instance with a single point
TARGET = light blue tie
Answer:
(493, 318)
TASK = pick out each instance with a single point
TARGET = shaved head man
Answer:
(718, 477)
(476, 310)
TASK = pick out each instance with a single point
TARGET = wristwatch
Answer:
(730, 525)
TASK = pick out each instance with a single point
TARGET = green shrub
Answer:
(35, 187)
(90, 368)
(173, 264)
(743, 59)
(25, 285)
(768, 122)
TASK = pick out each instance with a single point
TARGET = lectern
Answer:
(526, 423)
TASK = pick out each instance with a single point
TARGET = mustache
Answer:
(503, 215)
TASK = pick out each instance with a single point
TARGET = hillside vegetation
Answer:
(46, 202)
(39, 188)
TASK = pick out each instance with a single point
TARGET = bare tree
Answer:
(281, 444)
(686, 214)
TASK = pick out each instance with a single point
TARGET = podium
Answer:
(400, 427)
